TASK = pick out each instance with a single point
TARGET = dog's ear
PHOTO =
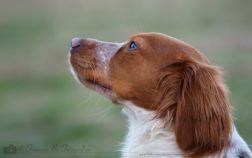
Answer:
(202, 120)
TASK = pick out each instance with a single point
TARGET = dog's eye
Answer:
(132, 46)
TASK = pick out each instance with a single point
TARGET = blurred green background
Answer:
(41, 103)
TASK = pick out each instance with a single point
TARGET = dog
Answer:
(176, 102)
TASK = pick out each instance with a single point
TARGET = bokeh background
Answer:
(41, 103)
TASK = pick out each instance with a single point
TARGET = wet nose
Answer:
(76, 42)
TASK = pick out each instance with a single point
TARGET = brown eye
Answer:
(133, 46)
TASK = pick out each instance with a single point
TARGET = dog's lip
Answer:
(95, 83)
(98, 87)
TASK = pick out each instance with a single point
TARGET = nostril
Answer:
(76, 42)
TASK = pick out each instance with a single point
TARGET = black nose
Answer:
(76, 42)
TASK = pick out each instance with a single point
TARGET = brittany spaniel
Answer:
(176, 102)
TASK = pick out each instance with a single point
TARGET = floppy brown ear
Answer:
(203, 119)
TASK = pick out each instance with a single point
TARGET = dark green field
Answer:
(41, 103)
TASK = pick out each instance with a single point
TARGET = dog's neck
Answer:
(147, 136)
(150, 137)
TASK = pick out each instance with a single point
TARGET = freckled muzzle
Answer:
(89, 59)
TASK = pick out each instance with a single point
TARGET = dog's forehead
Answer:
(150, 34)
(156, 40)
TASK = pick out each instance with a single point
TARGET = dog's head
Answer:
(162, 74)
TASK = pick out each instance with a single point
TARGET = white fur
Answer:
(105, 51)
(237, 145)
(147, 136)
(150, 137)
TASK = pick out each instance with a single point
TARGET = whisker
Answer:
(86, 99)
(101, 113)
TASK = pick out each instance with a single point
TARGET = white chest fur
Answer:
(147, 136)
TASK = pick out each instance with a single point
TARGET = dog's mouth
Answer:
(99, 87)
